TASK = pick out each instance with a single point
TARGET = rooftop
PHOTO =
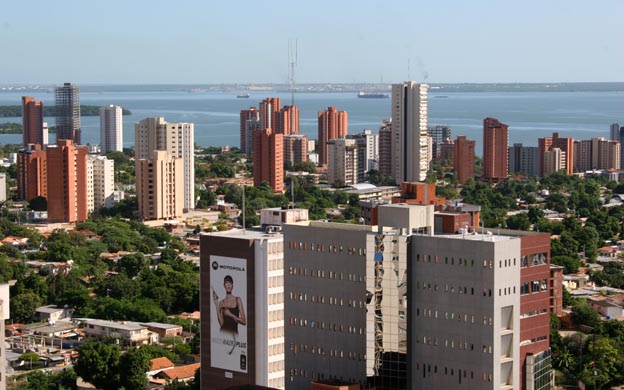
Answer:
(248, 234)
(116, 325)
(181, 372)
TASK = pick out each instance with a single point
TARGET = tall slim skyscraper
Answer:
(152, 134)
(268, 159)
(385, 148)
(410, 144)
(67, 101)
(289, 120)
(32, 172)
(464, 159)
(270, 114)
(249, 121)
(332, 124)
(111, 129)
(32, 121)
(67, 182)
(495, 149)
(614, 132)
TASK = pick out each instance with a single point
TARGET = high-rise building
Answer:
(67, 101)
(464, 159)
(101, 175)
(597, 153)
(32, 172)
(242, 306)
(439, 135)
(289, 120)
(111, 129)
(268, 159)
(249, 121)
(410, 143)
(270, 114)
(524, 159)
(614, 132)
(385, 148)
(295, 148)
(67, 182)
(32, 121)
(495, 158)
(342, 162)
(332, 124)
(368, 152)
(152, 134)
(554, 161)
(159, 186)
(565, 144)
(447, 152)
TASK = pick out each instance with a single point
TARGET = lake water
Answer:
(581, 115)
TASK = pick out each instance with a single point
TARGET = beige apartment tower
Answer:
(152, 134)
(159, 186)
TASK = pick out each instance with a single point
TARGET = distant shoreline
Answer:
(329, 87)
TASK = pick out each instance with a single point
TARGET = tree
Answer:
(98, 364)
(584, 314)
(570, 264)
(23, 306)
(519, 222)
(132, 265)
(132, 368)
(38, 204)
(29, 357)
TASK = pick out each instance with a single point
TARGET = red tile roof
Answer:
(180, 372)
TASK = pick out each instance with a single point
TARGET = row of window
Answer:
(331, 248)
(304, 373)
(331, 300)
(320, 273)
(452, 316)
(460, 289)
(276, 366)
(321, 325)
(276, 299)
(534, 313)
(461, 345)
(332, 352)
(426, 370)
(534, 286)
(534, 259)
(276, 349)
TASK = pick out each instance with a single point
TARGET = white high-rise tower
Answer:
(111, 129)
(410, 156)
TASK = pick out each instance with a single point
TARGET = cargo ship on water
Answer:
(373, 95)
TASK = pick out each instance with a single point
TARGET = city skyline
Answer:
(539, 42)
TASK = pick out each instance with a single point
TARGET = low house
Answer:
(180, 373)
(163, 330)
(606, 307)
(159, 364)
(53, 313)
(130, 333)
(20, 243)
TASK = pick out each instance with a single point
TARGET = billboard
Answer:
(228, 313)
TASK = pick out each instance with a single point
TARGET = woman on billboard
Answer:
(230, 310)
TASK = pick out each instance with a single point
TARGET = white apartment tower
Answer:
(410, 141)
(342, 161)
(100, 182)
(152, 134)
(111, 129)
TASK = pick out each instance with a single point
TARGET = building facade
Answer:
(565, 144)
(464, 159)
(410, 142)
(439, 135)
(342, 167)
(250, 350)
(32, 172)
(368, 152)
(385, 148)
(32, 121)
(67, 100)
(597, 153)
(295, 148)
(102, 176)
(554, 161)
(249, 121)
(67, 182)
(524, 159)
(159, 186)
(268, 159)
(289, 120)
(111, 129)
(152, 134)
(332, 124)
(495, 152)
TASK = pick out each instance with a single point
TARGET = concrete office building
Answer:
(385, 148)
(67, 100)
(495, 152)
(268, 159)
(342, 167)
(101, 175)
(249, 351)
(67, 182)
(159, 186)
(111, 129)
(332, 124)
(439, 135)
(524, 159)
(152, 134)
(249, 121)
(410, 142)
(32, 172)
(32, 121)
(464, 159)
(368, 152)
(565, 144)
(295, 148)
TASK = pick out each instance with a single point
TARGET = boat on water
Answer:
(243, 96)
(373, 95)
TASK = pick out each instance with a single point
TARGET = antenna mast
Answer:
(292, 62)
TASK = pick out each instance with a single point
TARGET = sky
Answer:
(338, 41)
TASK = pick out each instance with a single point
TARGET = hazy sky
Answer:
(208, 41)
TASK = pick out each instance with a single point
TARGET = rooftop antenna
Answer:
(292, 62)
(409, 77)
